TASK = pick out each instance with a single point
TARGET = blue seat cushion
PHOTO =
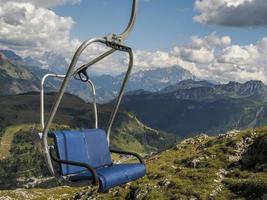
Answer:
(88, 146)
(114, 175)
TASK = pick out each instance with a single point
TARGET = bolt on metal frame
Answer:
(115, 43)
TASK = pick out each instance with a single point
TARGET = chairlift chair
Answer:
(85, 155)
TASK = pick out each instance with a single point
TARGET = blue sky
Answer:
(221, 40)
(161, 24)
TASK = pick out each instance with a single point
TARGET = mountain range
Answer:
(186, 107)
(16, 78)
(107, 86)
(49, 61)
(191, 107)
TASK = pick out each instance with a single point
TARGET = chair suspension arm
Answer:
(114, 47)
(131, 22)
(141, 160)
(119, 38)
(88, 167)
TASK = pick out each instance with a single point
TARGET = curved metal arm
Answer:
(141, 160)
(122, 37)
(42, 118)
(59, 98)
(96, 60)
(42, 96)
(131, 23)
(70, 72)
(79, 164)
(94, 102)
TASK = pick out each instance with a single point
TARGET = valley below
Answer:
(193, 107)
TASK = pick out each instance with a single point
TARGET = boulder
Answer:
(255, 155)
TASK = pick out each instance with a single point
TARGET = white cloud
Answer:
(201, 55)
(146, 59)
(213, 58)
(237, 13)
(201, 50)
(30, 30)
(210, 41)
(238, 54)
(239, 63)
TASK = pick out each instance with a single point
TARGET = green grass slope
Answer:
(229, 166)
(127, 131)
(7, 139)
(21, 160)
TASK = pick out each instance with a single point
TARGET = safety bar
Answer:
(42, 118)
(42, 96)
(141, 160)
(79, 164)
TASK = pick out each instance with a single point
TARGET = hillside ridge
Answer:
(228, 166)
(191, 107)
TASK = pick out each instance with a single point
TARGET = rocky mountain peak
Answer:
(186, 84)
(250, 88)
(11, 56)
(253, 88)
(254, 84)
(156, 79)
(232, 86)
(54, 61)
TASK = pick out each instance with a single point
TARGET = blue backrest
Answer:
(88, 146)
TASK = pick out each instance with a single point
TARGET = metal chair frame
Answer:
(115, 43)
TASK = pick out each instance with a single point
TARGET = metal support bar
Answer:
(42, 117)
(116, 43)
(121, 92)
(79, 164)
(94, 102)
(121, 37)
(96, 60)
(59, 98)
(131, 23)
(42, 95)
(141, 160)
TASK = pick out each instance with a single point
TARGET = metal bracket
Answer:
(82, 75)
(118, 47)
(116, 42)
(114, 38)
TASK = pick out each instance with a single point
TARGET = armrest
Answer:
(141, 160)
(88, 167)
